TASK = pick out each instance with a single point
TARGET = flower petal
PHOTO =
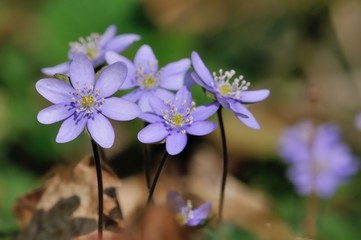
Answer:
(150, 117)
(157, 105)
(120, 109)
(146, 59)
(133, 96)
(62, 68)
(249, 121)
(183, 99)
(254, 96)
(101, 130)
(129, 82)
(121, 42)
(164, 94)
(108, 35)
(81, 72)
(173, 74)
(225, 102)
(70, 129)
(201, 69)
(200, 82)
(111, 79)
(176, 142)
(201, 128)
(200, 214)
(143, 101)
(205, 111)
(188, 80)
(54, 90)
(243, 114)
(55, 113)
(153, 133)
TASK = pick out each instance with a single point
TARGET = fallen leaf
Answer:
(66, 207)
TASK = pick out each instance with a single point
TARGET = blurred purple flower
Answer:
(94, 47)
(86, 103)
(173, 119)
(231, 95)
(147, 79)
(318, 159)
(185, 213)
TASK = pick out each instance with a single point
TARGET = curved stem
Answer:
(225, 163)
(156, 177)
(98, 168)
(146, 157)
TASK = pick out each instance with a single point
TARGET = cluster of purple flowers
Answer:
(159, 96)
(319, 161)
(87, 101)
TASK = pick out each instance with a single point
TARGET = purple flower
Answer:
(86, 103)
(230, 94)
(185, 213)
(318, 159)
(94, 47)
(173, 119)
(147, 79)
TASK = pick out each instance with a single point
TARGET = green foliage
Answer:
(227, 231)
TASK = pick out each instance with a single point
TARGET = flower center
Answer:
(176, 118)
(87, 101)
(186, 213)
(225, 89)
(228, 87)
(89, 45)
(148, 79)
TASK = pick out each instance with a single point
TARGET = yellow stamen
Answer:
(225, 89)
(148, 81)
(92, 53)
(87, 101)
(178, 119)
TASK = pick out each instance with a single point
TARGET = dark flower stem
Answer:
(225, 163)
(98, 168)
(146, 157)
(156, 177)
(311, 216)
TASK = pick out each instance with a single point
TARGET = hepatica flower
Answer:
(94, 47)
(148, 79)
(231, 94)
(318, 159)
(173, 119)
(185, 213)
(86, 103)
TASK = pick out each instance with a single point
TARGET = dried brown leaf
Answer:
(67, 207)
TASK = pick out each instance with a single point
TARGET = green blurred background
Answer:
(286, 46)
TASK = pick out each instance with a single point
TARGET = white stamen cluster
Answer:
(148, 80)
(228, 88)
(87, 101)
(175, 119)
(187, 211)
(88, 45)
